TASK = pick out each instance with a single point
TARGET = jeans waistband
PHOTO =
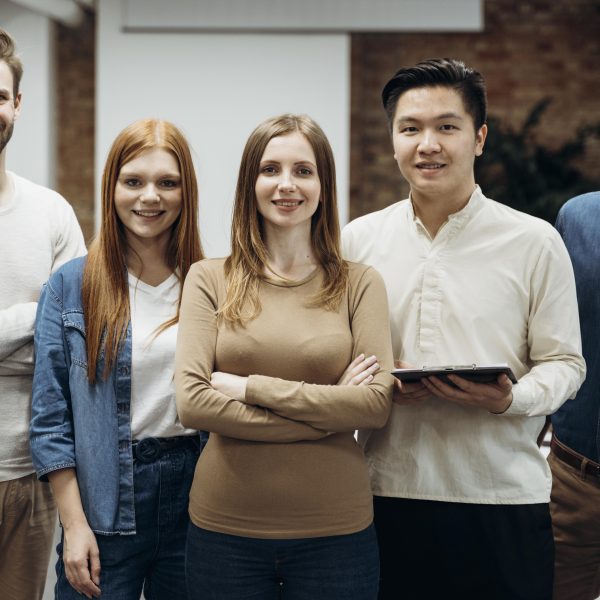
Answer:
(150, 449)
(584, 465)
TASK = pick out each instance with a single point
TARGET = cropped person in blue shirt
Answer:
(575, 454)
(104, 428)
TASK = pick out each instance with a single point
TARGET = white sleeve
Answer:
(20, 362)
(554, 337)
(17, 321)
(16, 327)
(69, 242)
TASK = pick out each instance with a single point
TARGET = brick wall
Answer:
(529, 50)
(74, 118)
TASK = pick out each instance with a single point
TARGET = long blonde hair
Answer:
(105, 291)
(245, 267)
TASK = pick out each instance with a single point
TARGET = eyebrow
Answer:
(298, 162)
(448, 115)
(125, 173)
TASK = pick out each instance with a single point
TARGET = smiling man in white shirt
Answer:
(461, 488)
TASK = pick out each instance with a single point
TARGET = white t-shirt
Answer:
(153, 411)
(494, 286)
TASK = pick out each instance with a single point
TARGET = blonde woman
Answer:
(281, 501)
(105, 430)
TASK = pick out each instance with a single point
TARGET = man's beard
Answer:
(5, 135)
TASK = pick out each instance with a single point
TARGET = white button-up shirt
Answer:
(494, 286)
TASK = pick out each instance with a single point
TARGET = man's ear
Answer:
(18, 105)
(480, 139)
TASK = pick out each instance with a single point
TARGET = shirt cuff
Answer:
(521, 405)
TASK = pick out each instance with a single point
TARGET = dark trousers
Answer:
(228, 567)
(432, 550)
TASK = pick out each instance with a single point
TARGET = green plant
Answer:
(516, 170)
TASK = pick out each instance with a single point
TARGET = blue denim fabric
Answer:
(153, 558)
(227, 567)
(77, 425)
(577, 422)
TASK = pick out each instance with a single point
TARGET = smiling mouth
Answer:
(430, 166)
(287, 203)
(148, 213)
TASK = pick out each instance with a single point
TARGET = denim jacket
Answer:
(75, 424)
(577, 422)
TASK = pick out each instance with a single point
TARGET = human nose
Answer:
(429, 142)
(149, 194)
(286, 182)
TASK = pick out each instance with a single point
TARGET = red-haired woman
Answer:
(281, 501)
(104, 426)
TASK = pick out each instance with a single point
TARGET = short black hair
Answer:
(445, 72)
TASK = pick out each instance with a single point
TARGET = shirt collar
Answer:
(458, 218)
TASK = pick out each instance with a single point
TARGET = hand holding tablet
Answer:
(475, 373)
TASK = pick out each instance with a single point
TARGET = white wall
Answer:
(31, 152)
(217, 88)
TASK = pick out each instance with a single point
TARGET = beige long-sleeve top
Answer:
(283, 463)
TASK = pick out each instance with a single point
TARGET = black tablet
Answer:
(476, 373)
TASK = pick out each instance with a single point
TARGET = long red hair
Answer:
(105, 291)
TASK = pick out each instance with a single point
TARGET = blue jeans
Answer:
(228, 567)
(153, 558)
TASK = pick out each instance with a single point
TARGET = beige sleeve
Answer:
(340, 408)
(198, 404)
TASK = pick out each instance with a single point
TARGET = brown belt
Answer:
(584, 465)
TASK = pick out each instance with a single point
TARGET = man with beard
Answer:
(38, 233)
